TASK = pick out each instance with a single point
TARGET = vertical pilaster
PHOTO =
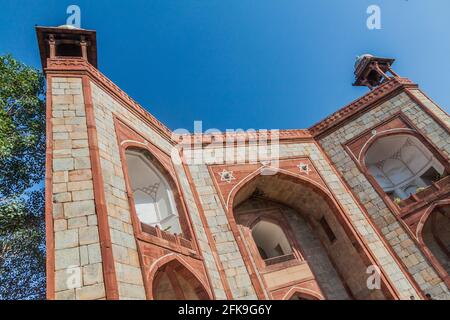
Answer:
(72, 228)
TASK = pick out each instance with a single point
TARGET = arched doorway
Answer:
(310, 222)
(173, 281)
(435, 236)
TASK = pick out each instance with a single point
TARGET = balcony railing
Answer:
(279, 259)
(170, 237)
(439, 186)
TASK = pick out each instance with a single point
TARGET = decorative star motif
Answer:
(227, 176)
(304, 168)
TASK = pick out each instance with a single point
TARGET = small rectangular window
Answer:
(68, 50)
(326, 227)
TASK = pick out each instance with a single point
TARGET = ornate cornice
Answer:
(73, 65)
(285, 136)
(78, 65)
(364, 103)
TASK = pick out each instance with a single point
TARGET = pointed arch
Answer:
(270, 239)
(399, 131)
(400, 161)
(153, 194)
(303, 293)
(181, 281)
(278, 172)
(295, 184)
(426, 218)
(164, 170)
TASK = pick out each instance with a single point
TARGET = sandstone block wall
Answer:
(415, 262)
(76, 237)
(124, 244)
(237, 274)
(314, 252)
(78, 261)
(235, 270)
(355, 215)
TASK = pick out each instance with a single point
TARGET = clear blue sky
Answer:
(245, 63)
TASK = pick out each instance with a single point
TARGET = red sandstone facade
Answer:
(365, 189)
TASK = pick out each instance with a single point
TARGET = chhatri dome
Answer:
(361, 58)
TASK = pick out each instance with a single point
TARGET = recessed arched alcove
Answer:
(434, 233)
(270, 240)
(309, 217)
(153, 194)
(174, 281)
(402, 165)
(302, 296)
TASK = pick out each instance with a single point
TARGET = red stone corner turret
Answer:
(371, 71)
(67, 41)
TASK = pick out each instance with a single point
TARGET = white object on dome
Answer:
(361, 57)
(68, 26)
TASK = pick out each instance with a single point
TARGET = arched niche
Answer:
(174, 281)
(434, 235)
(298, 295)
(402, 165)
(270, 240)
(312, 216)
(152, 188)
